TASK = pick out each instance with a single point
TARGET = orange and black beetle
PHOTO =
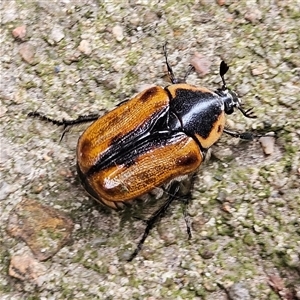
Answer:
(150, 140)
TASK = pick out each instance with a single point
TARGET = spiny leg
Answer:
(155, 218)
(188, 72)
(173, 79)
(249, 136)
(186, 188)
(170, 71)
(65, 123)
(187, 220)
(248, 113)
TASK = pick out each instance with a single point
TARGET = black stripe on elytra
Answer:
(130, 142)
(151, 141)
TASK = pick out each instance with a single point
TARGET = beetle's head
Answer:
(230, 98)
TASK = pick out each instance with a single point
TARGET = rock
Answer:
(238, 292)
(27, 52)
(19, 32)
(3, 110)
(44, 229)
(259, 70)
(26, 267)
(200, 63)
(57, 34)
(267, 143)
(221, 2)
(85, 47)
(253, 15)
(117, 31)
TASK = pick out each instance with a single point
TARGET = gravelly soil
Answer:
(80, 57)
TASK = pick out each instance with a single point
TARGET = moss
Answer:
(201, 292)
(248, 240)
(79, 256)
(225, 230)
(237, 248)
(6, 288)
(33, 297)
(132, 57)
(130, 79)
(66, 291)
(134, 281)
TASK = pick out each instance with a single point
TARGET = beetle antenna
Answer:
(223, 70)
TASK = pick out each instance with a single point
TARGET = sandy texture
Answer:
(69, 58)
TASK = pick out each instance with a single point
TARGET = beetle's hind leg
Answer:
(156, 216)
(186, 186)
(187, 218)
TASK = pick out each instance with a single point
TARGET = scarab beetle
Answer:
(151, 139)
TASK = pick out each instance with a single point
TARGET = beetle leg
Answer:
(170, 71)
(65, 123)
(187, 185)
(248, 113)
(173, 79)
(249, 136)
(187, 220)
(154, 218)
(188, 72)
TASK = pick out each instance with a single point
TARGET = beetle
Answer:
(150, 140)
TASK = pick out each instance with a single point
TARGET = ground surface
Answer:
(80, 57)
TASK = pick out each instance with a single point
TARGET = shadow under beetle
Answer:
(150, 140)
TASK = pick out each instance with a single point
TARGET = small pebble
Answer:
(57, 34)
(118, 33)
(253, 15)
(221, 2)
(267, 143)
(27, 52)
(134, 20)
(112, 269)
(19, 32)
(85, 47)
(238, 292)
(258, 70)
(200, 63)
(3, 111)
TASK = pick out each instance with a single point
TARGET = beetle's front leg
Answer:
(249, 136)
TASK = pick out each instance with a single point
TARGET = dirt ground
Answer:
(67, 58)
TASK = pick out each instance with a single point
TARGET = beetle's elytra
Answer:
(157, 136)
